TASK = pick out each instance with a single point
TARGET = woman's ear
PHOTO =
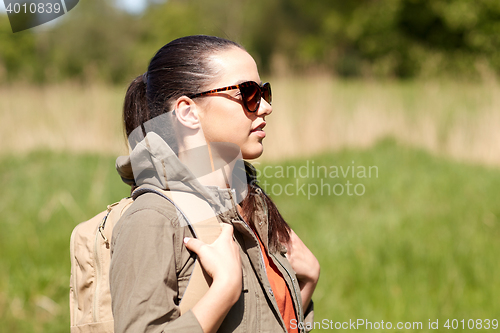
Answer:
(186, 112)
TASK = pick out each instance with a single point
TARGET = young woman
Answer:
(190, 119)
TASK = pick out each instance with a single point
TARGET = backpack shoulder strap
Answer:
(201, 219)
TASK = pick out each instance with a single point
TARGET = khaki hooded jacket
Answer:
(150, 266)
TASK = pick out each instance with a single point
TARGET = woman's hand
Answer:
(221, 260)
(305, 265)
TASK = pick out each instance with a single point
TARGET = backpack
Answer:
(90, 251)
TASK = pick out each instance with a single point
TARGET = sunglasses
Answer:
(251, 94)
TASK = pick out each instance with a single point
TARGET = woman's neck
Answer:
(208, 167)
(220, 178)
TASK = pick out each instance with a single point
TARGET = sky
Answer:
(132, 6)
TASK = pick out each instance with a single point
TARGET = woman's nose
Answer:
(265, 108)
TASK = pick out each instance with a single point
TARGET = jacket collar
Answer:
(153, 162)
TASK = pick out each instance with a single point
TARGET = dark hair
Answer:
(182, 67)
(278, 230)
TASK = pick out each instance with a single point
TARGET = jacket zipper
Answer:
(265, 210)
(98, 268)
(97, 253)
(262, 262)
(293, 286)
(262, 257)
(262, 200)
(286, 270)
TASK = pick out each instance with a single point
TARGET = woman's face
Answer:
(223, 117)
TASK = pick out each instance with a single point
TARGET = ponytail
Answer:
(135, 107)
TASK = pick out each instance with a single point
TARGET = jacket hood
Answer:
(153, 162)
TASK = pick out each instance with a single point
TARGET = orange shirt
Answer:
(280, 290)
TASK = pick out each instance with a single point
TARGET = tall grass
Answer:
(457, 119)
(66, 117)
(311, 115)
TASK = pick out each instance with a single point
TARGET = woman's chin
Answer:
(255, 152)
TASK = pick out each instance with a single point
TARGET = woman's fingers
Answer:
(227, 231)
(220, 257)
(193, 244)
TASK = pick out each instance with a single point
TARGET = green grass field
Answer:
(421, 242)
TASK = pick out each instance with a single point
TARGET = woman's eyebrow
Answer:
(243, 81)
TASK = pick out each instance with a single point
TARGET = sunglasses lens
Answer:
(266, 91)
(251, 96)
(251, 93)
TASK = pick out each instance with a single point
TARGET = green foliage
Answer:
(17, 51)
(45, 195)
(421, 242)
(386, 38)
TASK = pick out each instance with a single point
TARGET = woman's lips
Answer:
(259, 131)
